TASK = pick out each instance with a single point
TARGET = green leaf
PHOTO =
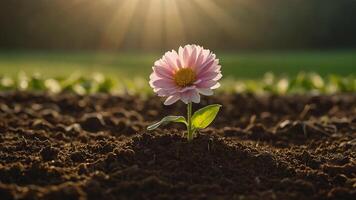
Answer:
(204, 116)
(166, 120)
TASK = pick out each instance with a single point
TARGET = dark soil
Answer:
(96, 147)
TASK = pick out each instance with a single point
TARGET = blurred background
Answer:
(251, 37)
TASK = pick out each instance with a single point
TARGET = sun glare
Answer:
(160, 23)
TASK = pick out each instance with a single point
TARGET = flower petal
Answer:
(153, 77)
(213, 67)
(200, 58)
(209, 75)
(192, 57)
(206, 84)
(195, 97)
(218, 77)
(190, 96)
(206, 65)
(171, 60)
(164, 83)
(205, 91)
(171, 99)
(217, 85)
(164, 93)
(163, 72)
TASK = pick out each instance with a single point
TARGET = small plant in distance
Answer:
(185, 75)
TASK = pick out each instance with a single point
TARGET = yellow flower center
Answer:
(184, 77)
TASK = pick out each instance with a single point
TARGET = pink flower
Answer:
(186, 74)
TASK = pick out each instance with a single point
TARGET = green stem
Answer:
(189, 113)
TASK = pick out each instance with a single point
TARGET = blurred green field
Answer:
(240, 65)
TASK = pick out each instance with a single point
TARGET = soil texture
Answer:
(93, 147)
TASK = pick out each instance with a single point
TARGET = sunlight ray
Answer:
(153, 29)
(118, 25)
(174, 27)
(220, 17)
(192, 22)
